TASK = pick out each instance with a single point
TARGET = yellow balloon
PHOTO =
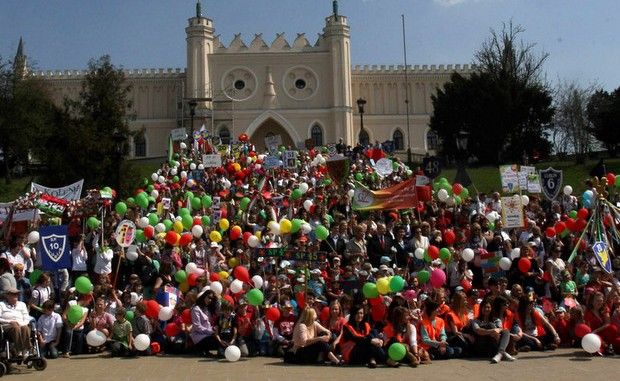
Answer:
(233, 262)
(223, 275)
(177, 226)
(161, 236)
(258, 234)
(215, 236)
(184, 287)
(383, 286)
(224, 224)
(237, 167)
(285, 226)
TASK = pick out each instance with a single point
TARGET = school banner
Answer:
(54, 247)
(399, 196)
(70, 192)
(602, 256)
(18, 215)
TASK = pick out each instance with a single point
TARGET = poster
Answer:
(178, 134)
(212, 161)
(289, 159)
(512, 212)
(510, 178)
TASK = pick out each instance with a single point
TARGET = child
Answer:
(561, 324)
(227, 331)
(244, 325)
(141, 324)
(49, 326)
(122, 339)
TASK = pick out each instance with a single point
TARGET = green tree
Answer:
(604, 112)
(86, 146)
(504, 104)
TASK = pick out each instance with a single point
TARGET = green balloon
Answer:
(397, 283)
(140, 237)
(93, 222)
(150, 188)
(370, 290)
(457, 200)
(573, 213)
(83, 285)
(153, 219)
(443, 180)
(156, 264)
(423, 276)
(464, 193)
(244, 203)
(296, 194)
(444, 254)
(491, 226)
(142, 201)
(121, 208)
(187, 221)
(447, 187)
(175, 179)
(184, 212)
(206, 201)
(327, 182)
(196, 204)
(189, 195)
(295, 225)
(397, 352)
(206, 221)
(34, 276)
(168, 224)
(427, 257)
(255, 297)
(330, 219)
(263, 214)
(129, 315)
(151, 199)
(131, 201)
(321, 232)
(75, 314)
(359, 177)
(180, 276)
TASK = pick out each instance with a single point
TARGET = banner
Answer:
(70, 192)
(178, 134)
(212, 161)
(338, 168)
(54, 247)
(399, 196)
(551, 182)
(512, 212)
(602, 256)
(510, 178)
(18, 215)
(51, 205)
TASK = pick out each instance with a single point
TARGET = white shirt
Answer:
(103, 265)
(41, 294)
(79, 257)
(49, 325)
(18, 313)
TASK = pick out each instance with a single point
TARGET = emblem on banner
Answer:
(551, 182)
(54, 246)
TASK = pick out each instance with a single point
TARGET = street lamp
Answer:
(119, 140)
(462, 138)
(361, 102)
(192, 112)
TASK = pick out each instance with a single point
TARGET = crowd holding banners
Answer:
(304, 261)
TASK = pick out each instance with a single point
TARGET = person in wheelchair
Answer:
(15, 320)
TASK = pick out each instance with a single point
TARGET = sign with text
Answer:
(551, 182)
(431, 166)
(512, 212)
(18, 215)
(273, 142)
(54, 247)
(125, 233)
(271, 162)
(70, 192)
(289, 159)
(212, 161)
(178, 134)
(510, 178)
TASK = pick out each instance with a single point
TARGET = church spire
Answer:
(335, 9)
(19, 63)
(198, 9)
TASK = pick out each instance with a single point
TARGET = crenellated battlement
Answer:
(414, 69)
(130, 73)
(258, 45)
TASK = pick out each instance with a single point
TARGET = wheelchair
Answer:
(34, 360)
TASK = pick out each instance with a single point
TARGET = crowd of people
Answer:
(278, 262)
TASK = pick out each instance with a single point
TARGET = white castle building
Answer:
(299, 90)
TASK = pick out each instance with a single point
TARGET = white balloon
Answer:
(160, 228)
(33, 237)
(419, 253)
(232, 353)
(131, 255)
(306, 228)
(491, 217)
(591, 343)
(258, 166)
(142, 342)
(450, 201)
(568, 190)
(467, 254)
(322, 161)
(26, 250)
(258, 281)
(178, 218)
(192, 166)
(274, 227)
(135, 298)
(236, 286)
(253, 241)
(191, 267)
(197, 231)
(226, 183)
(307, 205)
(261, 157)
(173, 172)
(154, 176)
(161, 179)
(525, 200)
(95, 338)
(505, 263)
(201, 166)
(442, 195)
(216, 287)
(351, 193)
(515, 253)
(165, 313)
(303, 187)
(183, 145)
(155, 193)
(143, 222)
(183, 174)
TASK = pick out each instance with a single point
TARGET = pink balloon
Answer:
(438, 278)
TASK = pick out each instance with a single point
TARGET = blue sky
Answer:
(579, 35)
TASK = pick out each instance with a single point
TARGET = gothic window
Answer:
(139, 146)
(432, 140)
(399, 142)
(224, 135)
(316, 134)
(363, 138)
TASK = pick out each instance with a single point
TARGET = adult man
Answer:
(14, 319)
(356, 248)
(379, 245)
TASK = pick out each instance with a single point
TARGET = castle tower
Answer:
(20, 66)
(336, 36)
(199, 45)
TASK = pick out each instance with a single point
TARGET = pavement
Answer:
(562, 364)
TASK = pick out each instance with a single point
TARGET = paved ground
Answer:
(558, 365)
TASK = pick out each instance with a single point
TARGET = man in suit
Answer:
(334, 245)
(379, 245)
(400, 248)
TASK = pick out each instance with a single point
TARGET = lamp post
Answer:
(119, 139)
(192, 112)
(462, 138)
(361, 102)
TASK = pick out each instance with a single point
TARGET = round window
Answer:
(300, 84)
(239, 84)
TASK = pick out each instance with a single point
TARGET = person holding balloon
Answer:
(400, 332)
(203, 315)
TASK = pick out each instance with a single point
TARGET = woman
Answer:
(489, 333)
(336, 320)
(553, 272)
(310, 341)
(203, 315)
(538, 333)
(477, 243)
(42, 291)
(400, 330)
(357, 345)
(457, 322)
(433, 333)
(100, 319)
(597, 317)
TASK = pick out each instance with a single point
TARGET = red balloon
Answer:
(560, 227)
(580, 224)
(241, 273)
(301, 300)
(611, 178)
(457, 188)
(272, 314)
(186, 316)
(324, 315)
(235, 232)
(449, 237)
(374, 301)
(583, 213)
(433, 251)
(155, 347)
(377, 312)
(149, 232)
(214, 277)
(223, 213)
(152, 309)
(608, 220)
(172, 237)
(570, 224)
(581, 330)
(197, 221)
(229, 299)
(243, 138)
(246, 236)
(172, 330)
(524, 265)
(186, 239)
(466, 284)
(550, 232)
(192, 279)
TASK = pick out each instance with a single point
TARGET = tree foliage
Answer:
(504, 105)
(604, 112)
